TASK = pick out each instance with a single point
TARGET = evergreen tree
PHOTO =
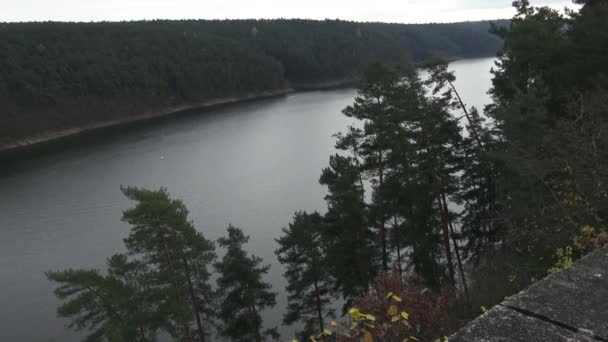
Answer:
(162, 283)
(373, 109)
(548, 115)
(163, 238)
(408, 150)
(242, 291)
(350, 246)
(307, 274)
(439, 143)
(547, 110)
(118, 306)
(479, 218)
(477, 176)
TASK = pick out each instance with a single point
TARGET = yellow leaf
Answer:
(389, 295)
(327, 331)
(367, 337)
(395, 318)
(405, 315)
(334, 323)
(392, 310)
(355, 314)
(353, 326)
(413, 338)
(396, 298)
(370, 317)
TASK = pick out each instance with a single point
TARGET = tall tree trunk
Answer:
(382, 218)
(169, 262)
(319, 308)
(472, 127)
(446, 240)
(360, 175)
(491, 210)
(254, 311)
(142, 333)
(395, 228)
(463, 278)
(193, 299)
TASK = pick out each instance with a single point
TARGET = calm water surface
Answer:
(251, 165)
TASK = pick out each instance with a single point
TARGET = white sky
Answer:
(402, 11)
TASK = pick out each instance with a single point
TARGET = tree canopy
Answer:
(56, 76)
(160, 285)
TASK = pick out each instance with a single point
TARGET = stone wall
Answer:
(571, 305)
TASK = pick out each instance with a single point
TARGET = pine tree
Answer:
(179, 256)
(118, 306)
(373, 108)
(161, 284)
(407, 149)
(549, 109)
(477, 175)
(242, 291)
(309, 282)
(438, 142)
(350, 248)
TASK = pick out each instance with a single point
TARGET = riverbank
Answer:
(50, 137)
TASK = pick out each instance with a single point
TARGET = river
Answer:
(251, 165)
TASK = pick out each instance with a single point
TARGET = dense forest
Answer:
(58, 76)
(528, 175)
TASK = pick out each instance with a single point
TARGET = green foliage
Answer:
(407, 151)
(64, 75)
(405, 148)
(549, 108)
(545, 150)
(109, 307)
(161, 284)
(242, 291)
(307, 273)
(564, 259)
(164, 238)
(349, 242)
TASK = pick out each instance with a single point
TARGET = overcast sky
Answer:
(402, 11)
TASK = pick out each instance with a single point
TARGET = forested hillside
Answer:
(60, 76)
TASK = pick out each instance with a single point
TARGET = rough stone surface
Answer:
(571, 305)
(576, 297)
(502, 324)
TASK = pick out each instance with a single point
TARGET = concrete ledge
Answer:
(571, 305)
(504, 324)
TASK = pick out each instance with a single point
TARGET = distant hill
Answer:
(63, 77)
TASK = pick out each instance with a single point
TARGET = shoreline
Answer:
(52, 137)
(48, 138)
(57, 136)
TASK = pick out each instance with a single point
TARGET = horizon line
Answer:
(51, 21)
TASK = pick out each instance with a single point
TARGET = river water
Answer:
(250, 164)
